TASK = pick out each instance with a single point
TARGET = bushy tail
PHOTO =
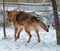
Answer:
(43, 26)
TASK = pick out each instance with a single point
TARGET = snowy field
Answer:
(48, 41)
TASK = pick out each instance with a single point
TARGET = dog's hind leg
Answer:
(38, 35)
(28, 32)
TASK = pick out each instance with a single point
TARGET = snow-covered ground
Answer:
(48, 41)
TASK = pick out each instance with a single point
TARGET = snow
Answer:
(48, 41)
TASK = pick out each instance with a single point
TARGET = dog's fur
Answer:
(27, 21)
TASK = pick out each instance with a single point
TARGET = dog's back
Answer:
(21, 16)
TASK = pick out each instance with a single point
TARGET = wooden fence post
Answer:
(4, 18)
(56, 20)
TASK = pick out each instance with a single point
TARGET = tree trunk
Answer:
(56, 20)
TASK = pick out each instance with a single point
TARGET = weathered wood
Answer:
(56, 20)
(31, 1)
(4, 19)
(9, 0)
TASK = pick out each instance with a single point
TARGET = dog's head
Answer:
(10, 15)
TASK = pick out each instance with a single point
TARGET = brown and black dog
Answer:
(25, 21)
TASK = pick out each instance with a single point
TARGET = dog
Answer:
(25, 21)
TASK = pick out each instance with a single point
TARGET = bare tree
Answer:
(56, 20)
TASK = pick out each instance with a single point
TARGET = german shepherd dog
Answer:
(25, 21)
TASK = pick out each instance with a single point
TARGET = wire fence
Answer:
(44, 7)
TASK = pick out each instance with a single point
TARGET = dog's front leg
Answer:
(28, 32)
(16, 30)
(19, 32)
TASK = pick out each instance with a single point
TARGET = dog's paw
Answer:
(39, 40)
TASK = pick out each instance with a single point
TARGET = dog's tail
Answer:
(43, 26)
